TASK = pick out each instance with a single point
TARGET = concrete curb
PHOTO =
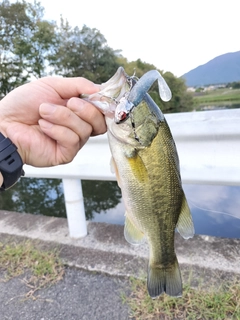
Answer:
(105, 249)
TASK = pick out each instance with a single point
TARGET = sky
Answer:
(173, 35)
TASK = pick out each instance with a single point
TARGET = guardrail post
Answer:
(75, 208)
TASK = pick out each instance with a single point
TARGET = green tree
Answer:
(138, 67)
(83, 52)
(233, 85)
(26, 41)
(182, 100)
(33, 47)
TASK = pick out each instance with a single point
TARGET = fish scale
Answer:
(146, 164)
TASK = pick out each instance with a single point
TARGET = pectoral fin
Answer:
(138, 168)
(132, 234)
(185, 224)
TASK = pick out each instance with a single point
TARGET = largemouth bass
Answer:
(145, 160)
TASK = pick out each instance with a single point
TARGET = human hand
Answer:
(47, 120)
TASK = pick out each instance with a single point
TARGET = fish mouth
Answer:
(112, 91)
(121, 93)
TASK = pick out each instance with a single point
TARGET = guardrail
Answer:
(208, 144)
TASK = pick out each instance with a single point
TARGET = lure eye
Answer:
(123, 110)
(122, 115)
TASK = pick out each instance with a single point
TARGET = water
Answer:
(213, 106)
(215, 209)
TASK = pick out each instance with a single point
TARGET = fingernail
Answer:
(45, 124)
(47, 108)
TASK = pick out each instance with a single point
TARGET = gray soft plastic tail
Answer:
(144, 84)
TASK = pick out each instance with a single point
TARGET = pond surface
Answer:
(215, 209)
(216, 106)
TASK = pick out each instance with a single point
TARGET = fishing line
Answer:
(212, 211)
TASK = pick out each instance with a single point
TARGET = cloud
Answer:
(219, 201)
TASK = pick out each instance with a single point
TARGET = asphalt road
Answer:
(80, 295)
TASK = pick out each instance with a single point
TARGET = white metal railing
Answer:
(208, 144)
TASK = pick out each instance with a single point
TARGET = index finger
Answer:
(71, 87)
(88, 113)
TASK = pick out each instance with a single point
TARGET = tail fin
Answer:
(166, 280)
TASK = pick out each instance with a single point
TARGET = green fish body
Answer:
(145, 160)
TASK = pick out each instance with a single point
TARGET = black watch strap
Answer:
(10, 163)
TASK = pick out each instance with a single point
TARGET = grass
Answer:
(218, 96)
(18, 258)
(221, 303)
(46, 268)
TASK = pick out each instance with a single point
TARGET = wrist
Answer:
(8, 131)
(10, 163)
(1, 179)
(3, 129)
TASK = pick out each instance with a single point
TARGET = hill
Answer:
(222, 69)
